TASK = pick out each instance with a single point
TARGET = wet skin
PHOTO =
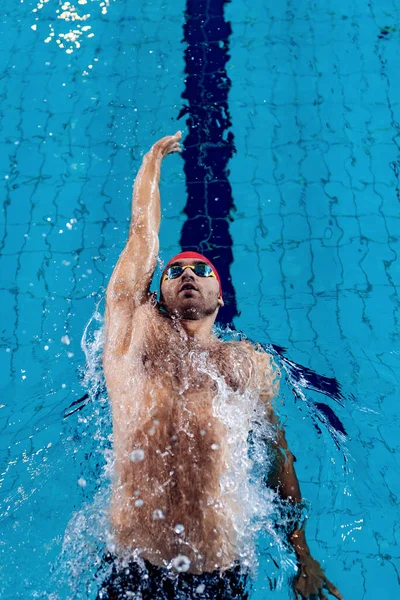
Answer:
(163, 369)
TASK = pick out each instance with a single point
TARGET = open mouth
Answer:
(188, 286)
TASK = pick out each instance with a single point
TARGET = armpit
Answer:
(123, 325)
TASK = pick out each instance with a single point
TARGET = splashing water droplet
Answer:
(200, 588)
(179, 528)
(158, 514)
(137, 455)
(180, 563)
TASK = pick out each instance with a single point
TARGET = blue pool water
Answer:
(289, 179)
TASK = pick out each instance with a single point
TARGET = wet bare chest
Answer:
(172, 363)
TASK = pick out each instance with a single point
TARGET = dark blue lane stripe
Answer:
(209, 145)
(208, 148)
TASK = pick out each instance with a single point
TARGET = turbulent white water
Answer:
(246, 499)
(243, 491)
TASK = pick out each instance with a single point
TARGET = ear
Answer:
(220, 301)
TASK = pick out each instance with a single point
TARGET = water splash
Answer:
(253, 507)
(249, 503)
(69, 24)
(80, 567)
(92, 343)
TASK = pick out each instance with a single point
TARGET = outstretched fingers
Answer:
(170, 138)
(167, 145)
(176, 147)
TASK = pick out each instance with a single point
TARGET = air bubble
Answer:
(158, 514)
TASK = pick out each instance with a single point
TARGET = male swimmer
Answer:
(175, 529)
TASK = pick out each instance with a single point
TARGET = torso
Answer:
(174, 442)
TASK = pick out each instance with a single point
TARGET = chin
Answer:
(193, 311)
(189, 310)
(191, 307)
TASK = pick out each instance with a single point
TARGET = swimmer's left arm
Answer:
(283, 478)
(311, 578)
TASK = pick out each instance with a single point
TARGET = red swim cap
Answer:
(198, 256)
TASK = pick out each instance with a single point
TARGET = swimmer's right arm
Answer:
(134, 270)
(129, 286)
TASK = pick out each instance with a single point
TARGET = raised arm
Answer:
(135, 267)
(130, 282)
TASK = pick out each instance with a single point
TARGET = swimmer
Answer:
(173, 529)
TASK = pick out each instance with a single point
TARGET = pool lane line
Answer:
(209, 144)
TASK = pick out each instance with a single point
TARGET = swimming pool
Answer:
(298, 160)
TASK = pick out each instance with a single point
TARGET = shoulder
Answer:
(265, 372)
(254, 351)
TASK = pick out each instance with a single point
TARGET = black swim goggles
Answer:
(201, 270)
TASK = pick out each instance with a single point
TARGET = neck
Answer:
(198, 329)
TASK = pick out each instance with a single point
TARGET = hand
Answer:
(167, 145)
(311, 580)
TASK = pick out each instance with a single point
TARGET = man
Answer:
(183, 403)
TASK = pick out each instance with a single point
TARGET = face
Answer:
(190, 296)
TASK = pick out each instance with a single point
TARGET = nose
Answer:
(187, 274)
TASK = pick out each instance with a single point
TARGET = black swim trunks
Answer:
(144, 581)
